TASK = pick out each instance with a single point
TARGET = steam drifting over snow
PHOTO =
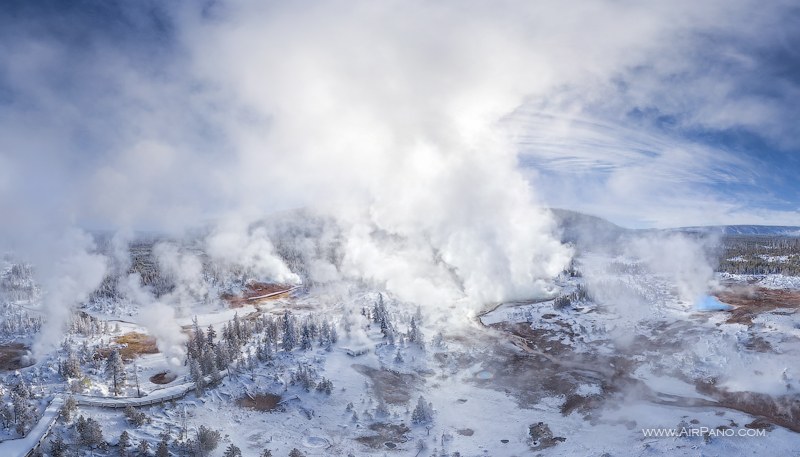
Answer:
(386, 118)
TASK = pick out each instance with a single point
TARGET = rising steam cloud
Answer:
(385, 117)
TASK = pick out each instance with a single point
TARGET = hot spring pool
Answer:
(709, 303)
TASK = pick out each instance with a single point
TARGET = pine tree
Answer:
(197, 375)
(415, 334)
(90, 433)
(124, 439)
(115, 369)
(210, 335)
(162, 450)
(232, 451)
(72, 366)
(143, 448)
(422, 413)
(124, 443)
(207, 439)
(58, 448)
(305, 337)
(289, 337)
(69, 408)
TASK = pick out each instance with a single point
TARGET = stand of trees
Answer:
(758, 255)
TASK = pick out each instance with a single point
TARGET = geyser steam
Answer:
(385, 117)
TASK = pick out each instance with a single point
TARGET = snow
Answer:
(21, 446)
(668, 345)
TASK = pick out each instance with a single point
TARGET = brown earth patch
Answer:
(392, 433)
(165, 377)
(580, 403)
(781, 410)
(12, 356)
(749, 302)
(392, 387)
(255, 293)
(260, 402)
(135, 344)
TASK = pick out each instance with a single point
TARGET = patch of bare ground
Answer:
(544, 367)
(260, 402)
(385, 433)
(541, 437)
(392, 387)
(783, 410)
(134, 344)
(255, 293)
(751, 301)
(13, 356)
(580, 403)
(165, 377)
(465, 431)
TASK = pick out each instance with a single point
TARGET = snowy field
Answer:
(592, 374)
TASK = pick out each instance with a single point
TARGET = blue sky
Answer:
(118, 113)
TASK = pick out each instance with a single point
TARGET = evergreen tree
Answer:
(124, 443)
(289, 337)
(72, 365)
(143, 448)
(115, 370)
(162, 450)
(90, 433)
(232, 451)
(69, 408)
(423, 413)
(58, 448)
(210, 335)
(305, 337)
(197, 375)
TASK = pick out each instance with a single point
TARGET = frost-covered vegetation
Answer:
(759, 255)
(266, 369)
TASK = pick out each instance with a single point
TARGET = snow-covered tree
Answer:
(423, 413)
(289, 335)
(69, 408)
(115, 370)
(58, 448)
(207, 440)
(143, 448)
(306, 341)
(124, 443)
(90, 433)
(414, 333)
(232, 451)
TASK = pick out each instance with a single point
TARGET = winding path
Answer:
(25, 446)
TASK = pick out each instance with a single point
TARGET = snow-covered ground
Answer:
(598, 376)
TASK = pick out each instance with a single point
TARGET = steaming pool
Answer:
(709, 303)
(484, 375)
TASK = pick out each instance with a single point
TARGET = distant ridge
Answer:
(588, 230)
(751, 230)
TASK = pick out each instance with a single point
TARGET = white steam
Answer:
(69, 274)
(387, 117)
(681, 257)
(159, 319)
(186, 269)
(234, 245)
